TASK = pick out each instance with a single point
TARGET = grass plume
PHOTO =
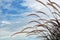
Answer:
(52, 25)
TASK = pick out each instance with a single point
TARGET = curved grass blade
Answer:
(40, 25)
(34, 21)
(26, 28)
(54, 3)
(56, 13)
(35, 32)
(43, 19)
(33, 15)
(57, 21)
(43, 4)
(42, 12)
(18, 33)
(50, 4)
(41, 36)
(49, 1)
(51, 23)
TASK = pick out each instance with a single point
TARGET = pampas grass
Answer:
(52, 25)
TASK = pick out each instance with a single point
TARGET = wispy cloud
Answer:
(5, 22)
(4, 32)
(32, 4)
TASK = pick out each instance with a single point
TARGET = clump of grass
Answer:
(52, 26)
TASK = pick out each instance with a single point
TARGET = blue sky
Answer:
(13, 17)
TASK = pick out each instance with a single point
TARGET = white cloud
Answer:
(33, 4)
(4, 33)
(5, 22)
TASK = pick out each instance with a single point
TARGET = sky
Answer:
(13, 17)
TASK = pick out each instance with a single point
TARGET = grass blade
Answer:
(42, 12)
(34, 21)
(33, 15)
